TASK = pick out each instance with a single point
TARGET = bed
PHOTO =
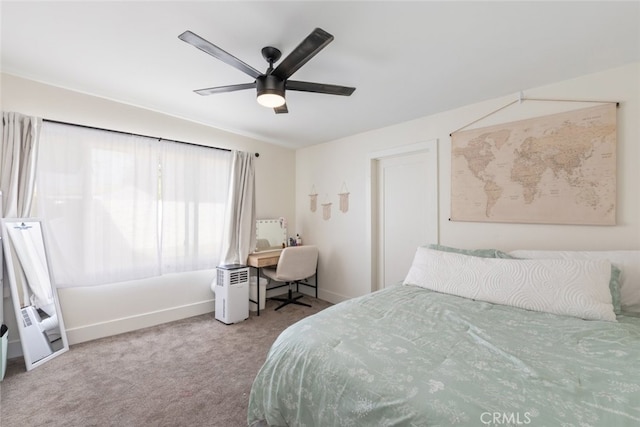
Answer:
(417, 354)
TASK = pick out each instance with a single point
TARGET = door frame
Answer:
(372, 203)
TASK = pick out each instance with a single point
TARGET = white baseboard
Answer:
(332, 297)
(132, 323)
(95, 331)
(323, 294)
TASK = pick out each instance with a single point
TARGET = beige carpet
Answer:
(193, 372)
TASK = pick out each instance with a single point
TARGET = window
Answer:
(122, 207)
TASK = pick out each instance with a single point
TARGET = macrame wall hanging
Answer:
(326, 209)
(313, 199)
(344, 198)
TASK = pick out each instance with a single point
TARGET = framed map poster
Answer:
(556, 169)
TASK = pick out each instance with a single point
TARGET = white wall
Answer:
(344, 241)
(94, 312)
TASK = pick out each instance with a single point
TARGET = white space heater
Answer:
(232, 293)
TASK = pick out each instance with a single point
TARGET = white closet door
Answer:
(407, 194)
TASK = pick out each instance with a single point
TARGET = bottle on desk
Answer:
(298, 240)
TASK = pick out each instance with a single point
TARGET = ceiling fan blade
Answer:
(306, 50)
(223, 89)
(281, 109)
(319, 88)
(213, 50)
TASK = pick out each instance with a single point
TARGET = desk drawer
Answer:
(266, 259)
(268, 262)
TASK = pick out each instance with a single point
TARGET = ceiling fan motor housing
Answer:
(270, 85)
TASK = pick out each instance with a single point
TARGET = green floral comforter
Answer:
(407, 356)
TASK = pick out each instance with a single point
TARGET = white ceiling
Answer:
(406, 59)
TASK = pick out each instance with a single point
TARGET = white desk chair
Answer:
(296, 263)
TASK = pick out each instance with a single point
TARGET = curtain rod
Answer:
(137, 134)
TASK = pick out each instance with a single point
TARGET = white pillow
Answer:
(578, 288)
(627, 261)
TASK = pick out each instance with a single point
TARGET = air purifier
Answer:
(232, 293)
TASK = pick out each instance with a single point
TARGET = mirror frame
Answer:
(268, 221)
(11, 276)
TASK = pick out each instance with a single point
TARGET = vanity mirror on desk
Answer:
(271, 234)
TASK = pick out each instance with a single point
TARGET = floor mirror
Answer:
(35, 299)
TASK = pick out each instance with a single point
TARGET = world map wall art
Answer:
(556, 169)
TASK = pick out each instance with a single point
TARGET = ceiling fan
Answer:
(271, 84)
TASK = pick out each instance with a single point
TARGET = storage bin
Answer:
(253, 293)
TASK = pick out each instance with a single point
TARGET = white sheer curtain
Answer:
(122, 207)
(195, 184)
(98, 193)
(18, 156)
(240, 219)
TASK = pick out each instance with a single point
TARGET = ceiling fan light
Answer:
(271, 100)
(270, 91)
